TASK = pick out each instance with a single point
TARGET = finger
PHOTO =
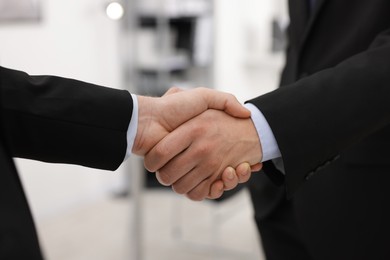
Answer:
(210, 169)
(216, 190)
(170, 146)
(256, 167)
(226, 102)
(201, 191)
(192, 180)
(181, 106)
(229, 178)
(176, 169)
(243, 172)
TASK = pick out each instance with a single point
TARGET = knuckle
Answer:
(198, 130)
(214, 163)
(203, 89)
(203, 150)
(174, 89)
(160, 151)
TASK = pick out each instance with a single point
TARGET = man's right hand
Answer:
(159, 116)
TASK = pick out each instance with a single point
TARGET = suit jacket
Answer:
(55, 120)
(333, 101)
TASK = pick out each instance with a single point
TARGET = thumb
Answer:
(226, 102)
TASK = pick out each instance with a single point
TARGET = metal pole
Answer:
(134, 167)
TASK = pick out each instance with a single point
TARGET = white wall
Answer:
(243, 64)
(74, 39)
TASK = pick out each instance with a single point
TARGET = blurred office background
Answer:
(229, 45)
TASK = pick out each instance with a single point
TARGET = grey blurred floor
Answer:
(100, 231)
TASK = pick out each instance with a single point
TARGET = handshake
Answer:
(200, 141)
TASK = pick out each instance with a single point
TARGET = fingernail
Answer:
(247, 169)
(230, 174)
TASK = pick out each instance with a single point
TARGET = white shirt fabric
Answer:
(268, 142)
(133, 126)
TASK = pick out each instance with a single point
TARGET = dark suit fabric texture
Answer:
(331, 119)
(56, 120)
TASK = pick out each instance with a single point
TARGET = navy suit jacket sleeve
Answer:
(318, 117)
(61, 120)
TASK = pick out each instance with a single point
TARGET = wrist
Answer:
(257, 150)
(145, 117)
(269, 146)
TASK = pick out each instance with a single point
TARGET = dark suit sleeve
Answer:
(61, 120)
(316, 118)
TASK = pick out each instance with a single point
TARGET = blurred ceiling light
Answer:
(115, 11)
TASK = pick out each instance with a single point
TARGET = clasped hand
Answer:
(201, 141)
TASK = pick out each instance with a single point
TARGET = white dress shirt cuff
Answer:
(267, 139)
(133, 126)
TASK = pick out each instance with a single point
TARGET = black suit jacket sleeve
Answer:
(61, 120)
(316, 118)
